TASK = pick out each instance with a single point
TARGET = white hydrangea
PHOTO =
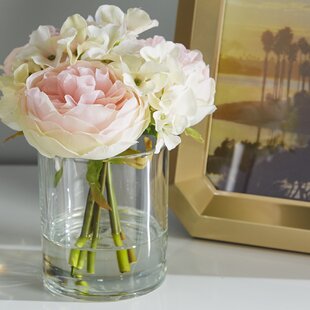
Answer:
(188, 92)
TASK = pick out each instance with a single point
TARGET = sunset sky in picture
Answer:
(246, 20)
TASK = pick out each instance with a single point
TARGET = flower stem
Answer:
(87, 219)
(77, 257)
(114, 216)
(122, 255)
(91, 255)
(91, 227)
(82, 257)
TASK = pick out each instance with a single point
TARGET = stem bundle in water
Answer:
(91, 226)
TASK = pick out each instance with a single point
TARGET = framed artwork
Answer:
(249, 182)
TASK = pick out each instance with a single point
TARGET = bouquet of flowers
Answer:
(91, 89)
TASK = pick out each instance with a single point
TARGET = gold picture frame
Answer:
(205, 211)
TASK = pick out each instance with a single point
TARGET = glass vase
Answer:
(104, 225)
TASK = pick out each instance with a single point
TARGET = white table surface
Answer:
(201, 274)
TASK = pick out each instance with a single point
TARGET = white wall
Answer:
(18, 18)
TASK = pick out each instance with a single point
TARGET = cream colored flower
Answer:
(144, 77)
(188, 95)
(134, 22)
(73, 34)
(9, 107)
(42, 48)
(12, 88)
(167, 134)
(113, 31)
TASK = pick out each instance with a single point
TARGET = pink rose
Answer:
(82, 111)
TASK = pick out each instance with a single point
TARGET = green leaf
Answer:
(193, 133)
(151, 130)
(93, 171)
(58, 175)
(98, 197)
(94, 168)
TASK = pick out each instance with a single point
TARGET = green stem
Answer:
(91, 255)
(75, 257)
(122, 255)
(114, 216)
(82, 257)
(87, 218)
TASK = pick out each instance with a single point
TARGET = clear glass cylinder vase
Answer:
(104, 225)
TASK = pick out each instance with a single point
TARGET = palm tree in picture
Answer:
(291, 56)
(283, 39)
(267, 39)
(277, 49)
(304, 70)
(286, 40)
(304, 49)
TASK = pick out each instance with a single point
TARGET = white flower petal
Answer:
(73, 33)
(202, 112)
(76, 22)
(159, 144)
(40, 36)
(109, 14)
(138, 21)
(171, 141)
(179, 123)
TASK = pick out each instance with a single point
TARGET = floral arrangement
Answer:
(92, 88)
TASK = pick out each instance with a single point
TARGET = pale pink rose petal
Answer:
(51, 87)
(85, 71)
(84, 84)
(116, 90)
(70, 102)
(98, 115)
(83, 111)
(91, 97)
(103, 81)
(67, 83)
(38, 103)
(66, 122)
(126, 114)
